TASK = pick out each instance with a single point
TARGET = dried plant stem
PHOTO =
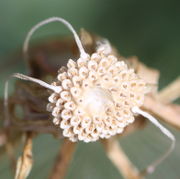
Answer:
(63, 160)
(161, 105)
(170, 93)
(120, 160)
(24, 163)
(169, 113)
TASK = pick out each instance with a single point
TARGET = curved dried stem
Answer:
(47, 21)
(165, 131)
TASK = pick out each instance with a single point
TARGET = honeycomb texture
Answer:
(96, 98)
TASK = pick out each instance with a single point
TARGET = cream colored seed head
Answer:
(94, 97)
(97, 97)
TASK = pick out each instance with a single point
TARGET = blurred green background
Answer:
(147, 29)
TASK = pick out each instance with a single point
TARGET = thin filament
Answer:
(165, 131)
(47, 21)
(56, 89)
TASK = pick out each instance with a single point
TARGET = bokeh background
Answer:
(147, 29)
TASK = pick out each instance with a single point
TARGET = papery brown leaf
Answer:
(24, 162)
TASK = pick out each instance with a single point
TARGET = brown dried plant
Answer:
(33, 118)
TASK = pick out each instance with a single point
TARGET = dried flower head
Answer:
(94, 97)
(98, 93)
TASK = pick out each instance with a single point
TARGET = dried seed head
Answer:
(93, 97)
(98, 93)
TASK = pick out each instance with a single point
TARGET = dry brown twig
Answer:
(115, 153)
(32, 99)
(167, 112)
(63, 159)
